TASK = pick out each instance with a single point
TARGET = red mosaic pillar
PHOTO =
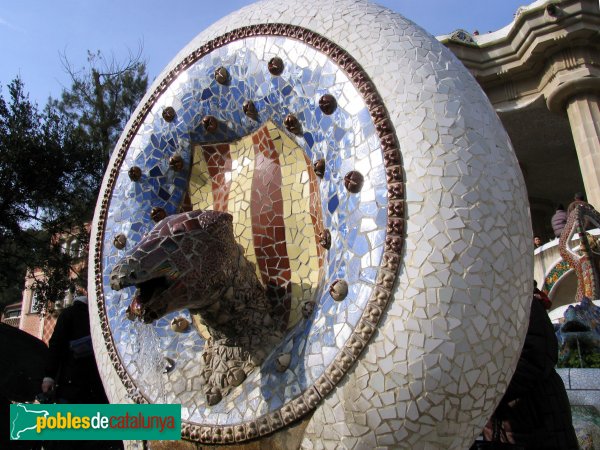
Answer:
(268, 225)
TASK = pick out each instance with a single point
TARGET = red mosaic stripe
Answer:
(218, 161)
(268, 227)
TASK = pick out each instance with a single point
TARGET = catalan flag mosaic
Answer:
(201, 147)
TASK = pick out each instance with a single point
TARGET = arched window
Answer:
(71, 247)
(34, 300)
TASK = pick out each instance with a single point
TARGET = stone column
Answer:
(584, 117)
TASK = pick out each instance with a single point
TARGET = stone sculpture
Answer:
(586, 260)
(579, 334)
(580, 331)
(192, 261)
(389, 225)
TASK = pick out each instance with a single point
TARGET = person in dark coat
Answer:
(71, 366)
(71, 371)
(535, 412)
(559, 220)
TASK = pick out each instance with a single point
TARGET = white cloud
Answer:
(7, 24)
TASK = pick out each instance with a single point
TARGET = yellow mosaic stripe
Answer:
(200, 185)
(299, 232)
(242, 171)
(201, 191)
(201, 197)
(300, 235)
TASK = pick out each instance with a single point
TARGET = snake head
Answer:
(179, 264)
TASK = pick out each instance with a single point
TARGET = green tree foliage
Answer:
(51, 167)
(32, 173)
(103, 96)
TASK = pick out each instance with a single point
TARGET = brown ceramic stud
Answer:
(354, 181)
(210, 123)
(307, 309)
(319, 167)
(134, 310)
(292, 123)
(135, 173)
(283, 362)
(250, 109)
(221, 75)
(169, 114)
(130, 314)
(169, 365)
(239, 433)
(276, 66)
(158, 214)
(325, 239)
(179, 324)
(119, 241)
(338, 290)
(176, 162)
(328, 104)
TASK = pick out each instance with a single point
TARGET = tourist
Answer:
(71, 374)
(578, 199)
(537, 241)
(559, 220)
(535, 412)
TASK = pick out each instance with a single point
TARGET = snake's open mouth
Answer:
(142, 305)
(574, 326)
(148, 289)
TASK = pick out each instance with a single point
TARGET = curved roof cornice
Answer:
(547, 44)
(482, 40)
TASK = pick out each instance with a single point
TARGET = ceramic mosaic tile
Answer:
(452, 217)
(265, 178)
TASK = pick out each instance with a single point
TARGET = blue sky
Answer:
(34, 33)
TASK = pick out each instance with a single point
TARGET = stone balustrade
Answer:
(547, 261)
(12, 321)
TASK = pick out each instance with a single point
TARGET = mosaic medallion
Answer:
(364, 194)
(255, 163)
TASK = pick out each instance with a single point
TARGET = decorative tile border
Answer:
(559, 269)
(386, 277)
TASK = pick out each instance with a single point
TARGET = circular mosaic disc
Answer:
(389, 216)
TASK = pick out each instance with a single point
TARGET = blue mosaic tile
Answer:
(346, 139)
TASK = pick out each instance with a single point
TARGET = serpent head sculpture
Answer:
(192, 261)
(184, 262)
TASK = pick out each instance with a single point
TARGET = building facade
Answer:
(542, 75)
(25, 315)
